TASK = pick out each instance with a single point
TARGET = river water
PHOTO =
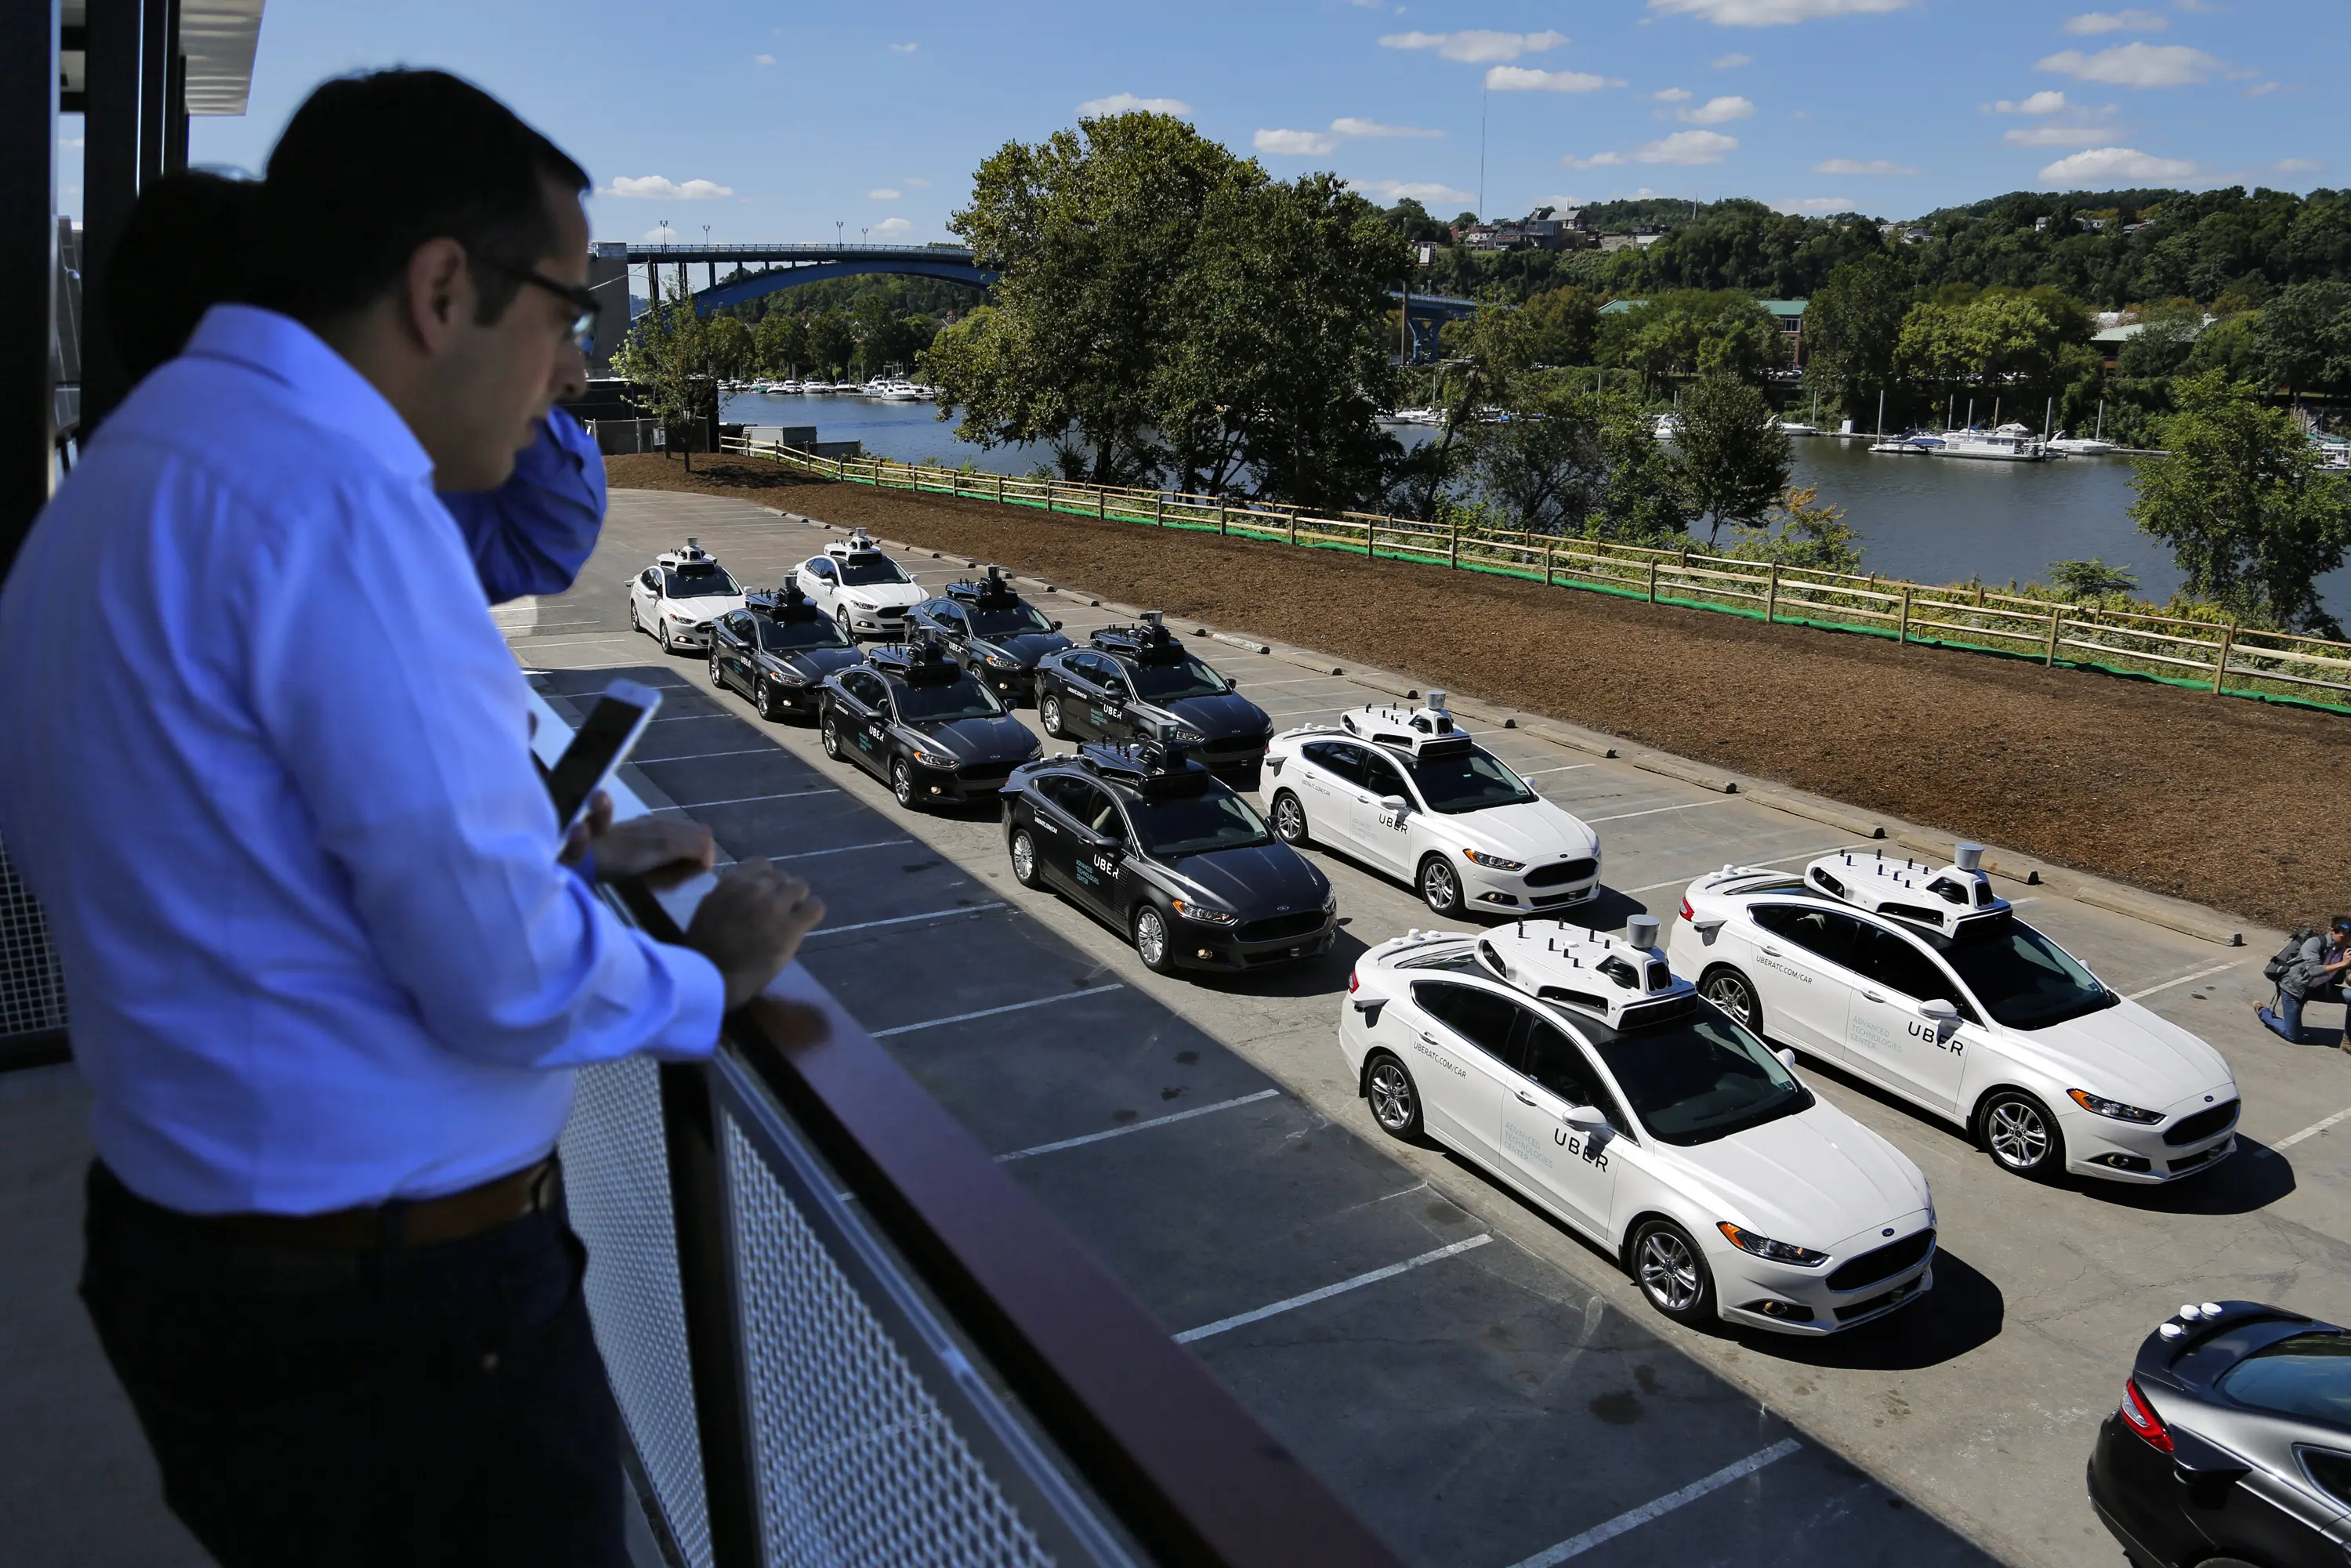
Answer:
(1927, 519)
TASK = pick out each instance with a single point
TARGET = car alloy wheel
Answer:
(1289, 819)
(848, 627)
(634, 623)
(718, 680)
(829, 731)
(1671, 1273)
(1729, 989)
(762, 696)
(1396, 1099)
(1024, 858)
(1049, 715)
(1151, 940)
(2021, 1134)
(1441, 886)
(660, 633)
(902, 782)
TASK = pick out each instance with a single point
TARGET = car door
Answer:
(1384, 836)
(819, 579)
(1463, 1075)
(1082, 678)
(866, 729)
(1886, 1037)
(1331, 779)
(644, 594)
(1098, 847)
(1060, 829)
(1574, 1169)
(955, 629)
(732, 642)
(1107, 710)
(1801, 954)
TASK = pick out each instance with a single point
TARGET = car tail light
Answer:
(1687, 913)
(2142, 1417)
(1354, 980)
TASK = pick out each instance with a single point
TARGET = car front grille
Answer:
(1231, 746)
(2203, 1124)
(1559, 871)
(1548, 899)
(1274, 927)
(986, 772)
(1883, 1263)
(892, 612)
(1876, 1304)
(2201, 1158)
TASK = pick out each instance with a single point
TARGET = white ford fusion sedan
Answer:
(678, 598)
(860, 586)
(1578, 1069)
(1924, 981)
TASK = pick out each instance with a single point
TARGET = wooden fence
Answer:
(2217, 657)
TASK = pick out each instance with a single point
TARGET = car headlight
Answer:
(674, 614)
(1330, 902)
(2114, 1108)
(1765, 1247)
(787, 675)
(1183, 735)
(930, 759)
(1493, 862)
(1003, 661)
(1204, 915)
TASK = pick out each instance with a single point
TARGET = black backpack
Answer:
(2278, 968)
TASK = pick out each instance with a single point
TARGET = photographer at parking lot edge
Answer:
(2313, 972)
(267, 773)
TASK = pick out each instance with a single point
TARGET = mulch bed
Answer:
(2216, 799)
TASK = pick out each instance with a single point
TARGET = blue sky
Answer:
(779, 121)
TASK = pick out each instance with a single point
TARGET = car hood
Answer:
(907, 594)
(1229, 713)
(814, 664)
(1814, 1179)
(1263, 879)
(1535, 833)
(982, 740)
(2126, 1052)
(706, 608)
(1028, 647)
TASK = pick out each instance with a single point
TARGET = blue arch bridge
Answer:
(753, 270)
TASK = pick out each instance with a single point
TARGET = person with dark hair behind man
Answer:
(189, 244)
(329, 981)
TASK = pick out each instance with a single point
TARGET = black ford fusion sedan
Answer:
(997, 634)
(2231, 1446)
(1152, 843)
(778, 650)
(918, 720)
(1140, 683)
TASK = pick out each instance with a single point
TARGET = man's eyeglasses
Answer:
(583, 327)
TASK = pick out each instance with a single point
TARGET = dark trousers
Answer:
(443, 1405)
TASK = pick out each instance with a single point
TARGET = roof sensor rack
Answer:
(989, 592)
(787, 604)
(1151, 769)
(1623, 981)
(916, 664)
(1424, 731)
(858, 543)
(1948, 898)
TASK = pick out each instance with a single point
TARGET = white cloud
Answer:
(1478, 45)
(2298, 166)
(2115, 166)
(1687, 147)
(660, 185)
(1350, 125)
(2048, 102)
(1296, 143)
(1856, 166)
(892, 227)
(1597, 161)
(1731, 62)
(1127, 103)
(1562, 204)
(2134, 65)
(763, 60)
(1423, 192)
(2116, 22)
(1717, 112)
(904, 48)
(2261, 89)
(882, 193)
(1773, 13)
(659, 236)
(916, 181)
(1522, 78)
(1673, 95)
(70, 141)
(2056, 135)
(1820, 206)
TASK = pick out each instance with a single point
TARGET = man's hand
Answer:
(661, 851)
(750, 925)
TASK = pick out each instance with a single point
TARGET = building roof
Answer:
(218, 37)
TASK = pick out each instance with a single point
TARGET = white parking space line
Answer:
(746, 799)
(903, 919)
(1571, 768)
(1300, 681)
(682, 717)
(706, 756)
(840, 849)
(1656, 810)
(1327, 1291)
(2310, 1131)
(522, 642)
(1136, 1126)
(990, 1012)
(1632, 1519)
(1808, 856)
(2184, 980)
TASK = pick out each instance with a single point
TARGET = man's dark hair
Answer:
(186, 249)
(370, 167)
(2340, 922)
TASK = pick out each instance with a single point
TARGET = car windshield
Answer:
(1186, 678)
(1468, 781)
(864, 571)
(1015, 621)
(2023, 980)
(2308, 1375)
(1173, 825)
(963, 698)
(797, 636)
(1700, 1077)
(698, 582)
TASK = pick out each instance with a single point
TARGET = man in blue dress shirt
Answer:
(266, 769)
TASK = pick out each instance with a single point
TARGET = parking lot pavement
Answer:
(1977, 1407)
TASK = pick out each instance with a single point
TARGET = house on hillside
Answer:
(1545, 228)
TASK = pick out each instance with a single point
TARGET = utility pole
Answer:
(1483, 94)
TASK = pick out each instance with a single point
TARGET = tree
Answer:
(1731, 453)
(779, 344)
(2305, 337)
(1411, 222)
(1852, 326)
(1562, 327)
(2089, 581)
(730, 350)
(2165, 336)
(2251, 517)
(2002, 341)
(669, 355)
(1801, 531)
(1693, 331)
(1549, 463)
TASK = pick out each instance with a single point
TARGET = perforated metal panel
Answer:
(858, 1463)
(616, 1178)
(32, 986)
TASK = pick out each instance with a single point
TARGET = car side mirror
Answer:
(1708, 928)
(1787, 1057)
(1396, 805)
(1936, 1007)
(1589, 1118)
(1057, 626)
